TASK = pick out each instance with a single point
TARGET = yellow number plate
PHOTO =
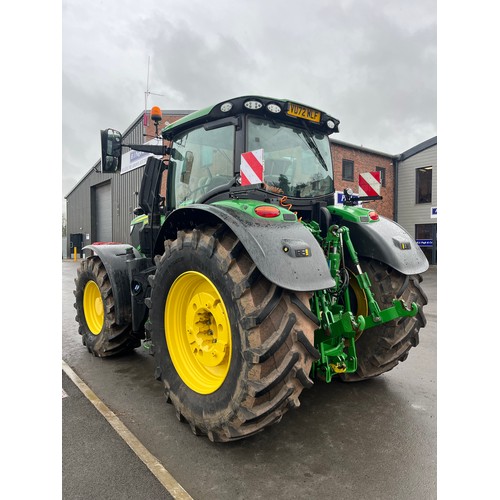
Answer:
(303, 112)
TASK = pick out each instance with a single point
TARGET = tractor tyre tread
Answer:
(381, 348)
(276, 335)
(113, 339)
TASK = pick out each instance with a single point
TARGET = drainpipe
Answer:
(395, 193)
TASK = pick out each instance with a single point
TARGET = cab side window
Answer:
(206, 159)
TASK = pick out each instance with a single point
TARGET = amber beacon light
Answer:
(156, 114)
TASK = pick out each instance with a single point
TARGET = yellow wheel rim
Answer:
(198, 332)
(93, 307)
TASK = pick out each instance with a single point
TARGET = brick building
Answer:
(349, 161)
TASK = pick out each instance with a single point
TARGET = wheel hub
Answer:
(93, 307)
(198, 332)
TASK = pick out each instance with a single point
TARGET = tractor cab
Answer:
(290, 144)
(260, 148)
(206, 148)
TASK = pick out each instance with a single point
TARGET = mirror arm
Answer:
(150, 148)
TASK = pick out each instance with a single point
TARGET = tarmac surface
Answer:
(370, 440)
(97, 463)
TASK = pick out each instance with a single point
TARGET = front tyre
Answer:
(381, 348)
(233, 350)
(95, 308)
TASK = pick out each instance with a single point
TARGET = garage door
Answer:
(104, 230)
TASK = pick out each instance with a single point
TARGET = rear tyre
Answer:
(380, 349)
(95, 308)
(233, 350)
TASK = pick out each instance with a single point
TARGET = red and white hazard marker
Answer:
(252, 167)
(369, 184)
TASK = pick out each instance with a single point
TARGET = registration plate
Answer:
(303, 112)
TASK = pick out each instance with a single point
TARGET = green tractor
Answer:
(244, 279)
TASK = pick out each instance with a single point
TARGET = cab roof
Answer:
(281, 110)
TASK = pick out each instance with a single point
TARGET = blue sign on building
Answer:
(425, 243)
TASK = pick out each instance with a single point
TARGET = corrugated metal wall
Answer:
(124, 202)
(80, 206)
(102, 203)
(125, 187)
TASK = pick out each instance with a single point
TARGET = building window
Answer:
(347, 170)
(382, 175)
(424, 185)
(426, 238)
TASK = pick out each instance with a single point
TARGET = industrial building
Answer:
(100, 206)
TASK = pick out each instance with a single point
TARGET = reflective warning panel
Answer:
(252, 167)
(369, 184)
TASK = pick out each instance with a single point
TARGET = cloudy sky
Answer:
(369, 63)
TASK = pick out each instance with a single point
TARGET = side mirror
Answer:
(111, 151)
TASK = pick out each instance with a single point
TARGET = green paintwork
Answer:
(352, 214)
(188, 118)
(335, 338)
(249, 206)
(140, 219)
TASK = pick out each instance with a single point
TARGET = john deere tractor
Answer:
(244, 278)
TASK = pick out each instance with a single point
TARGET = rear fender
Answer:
(286, 253)
(114, 259)
(388, 242)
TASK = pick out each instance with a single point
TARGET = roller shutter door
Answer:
(104, 231)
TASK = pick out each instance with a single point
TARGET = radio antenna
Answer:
(146, 95)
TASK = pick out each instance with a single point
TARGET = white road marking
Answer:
(151, 462)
